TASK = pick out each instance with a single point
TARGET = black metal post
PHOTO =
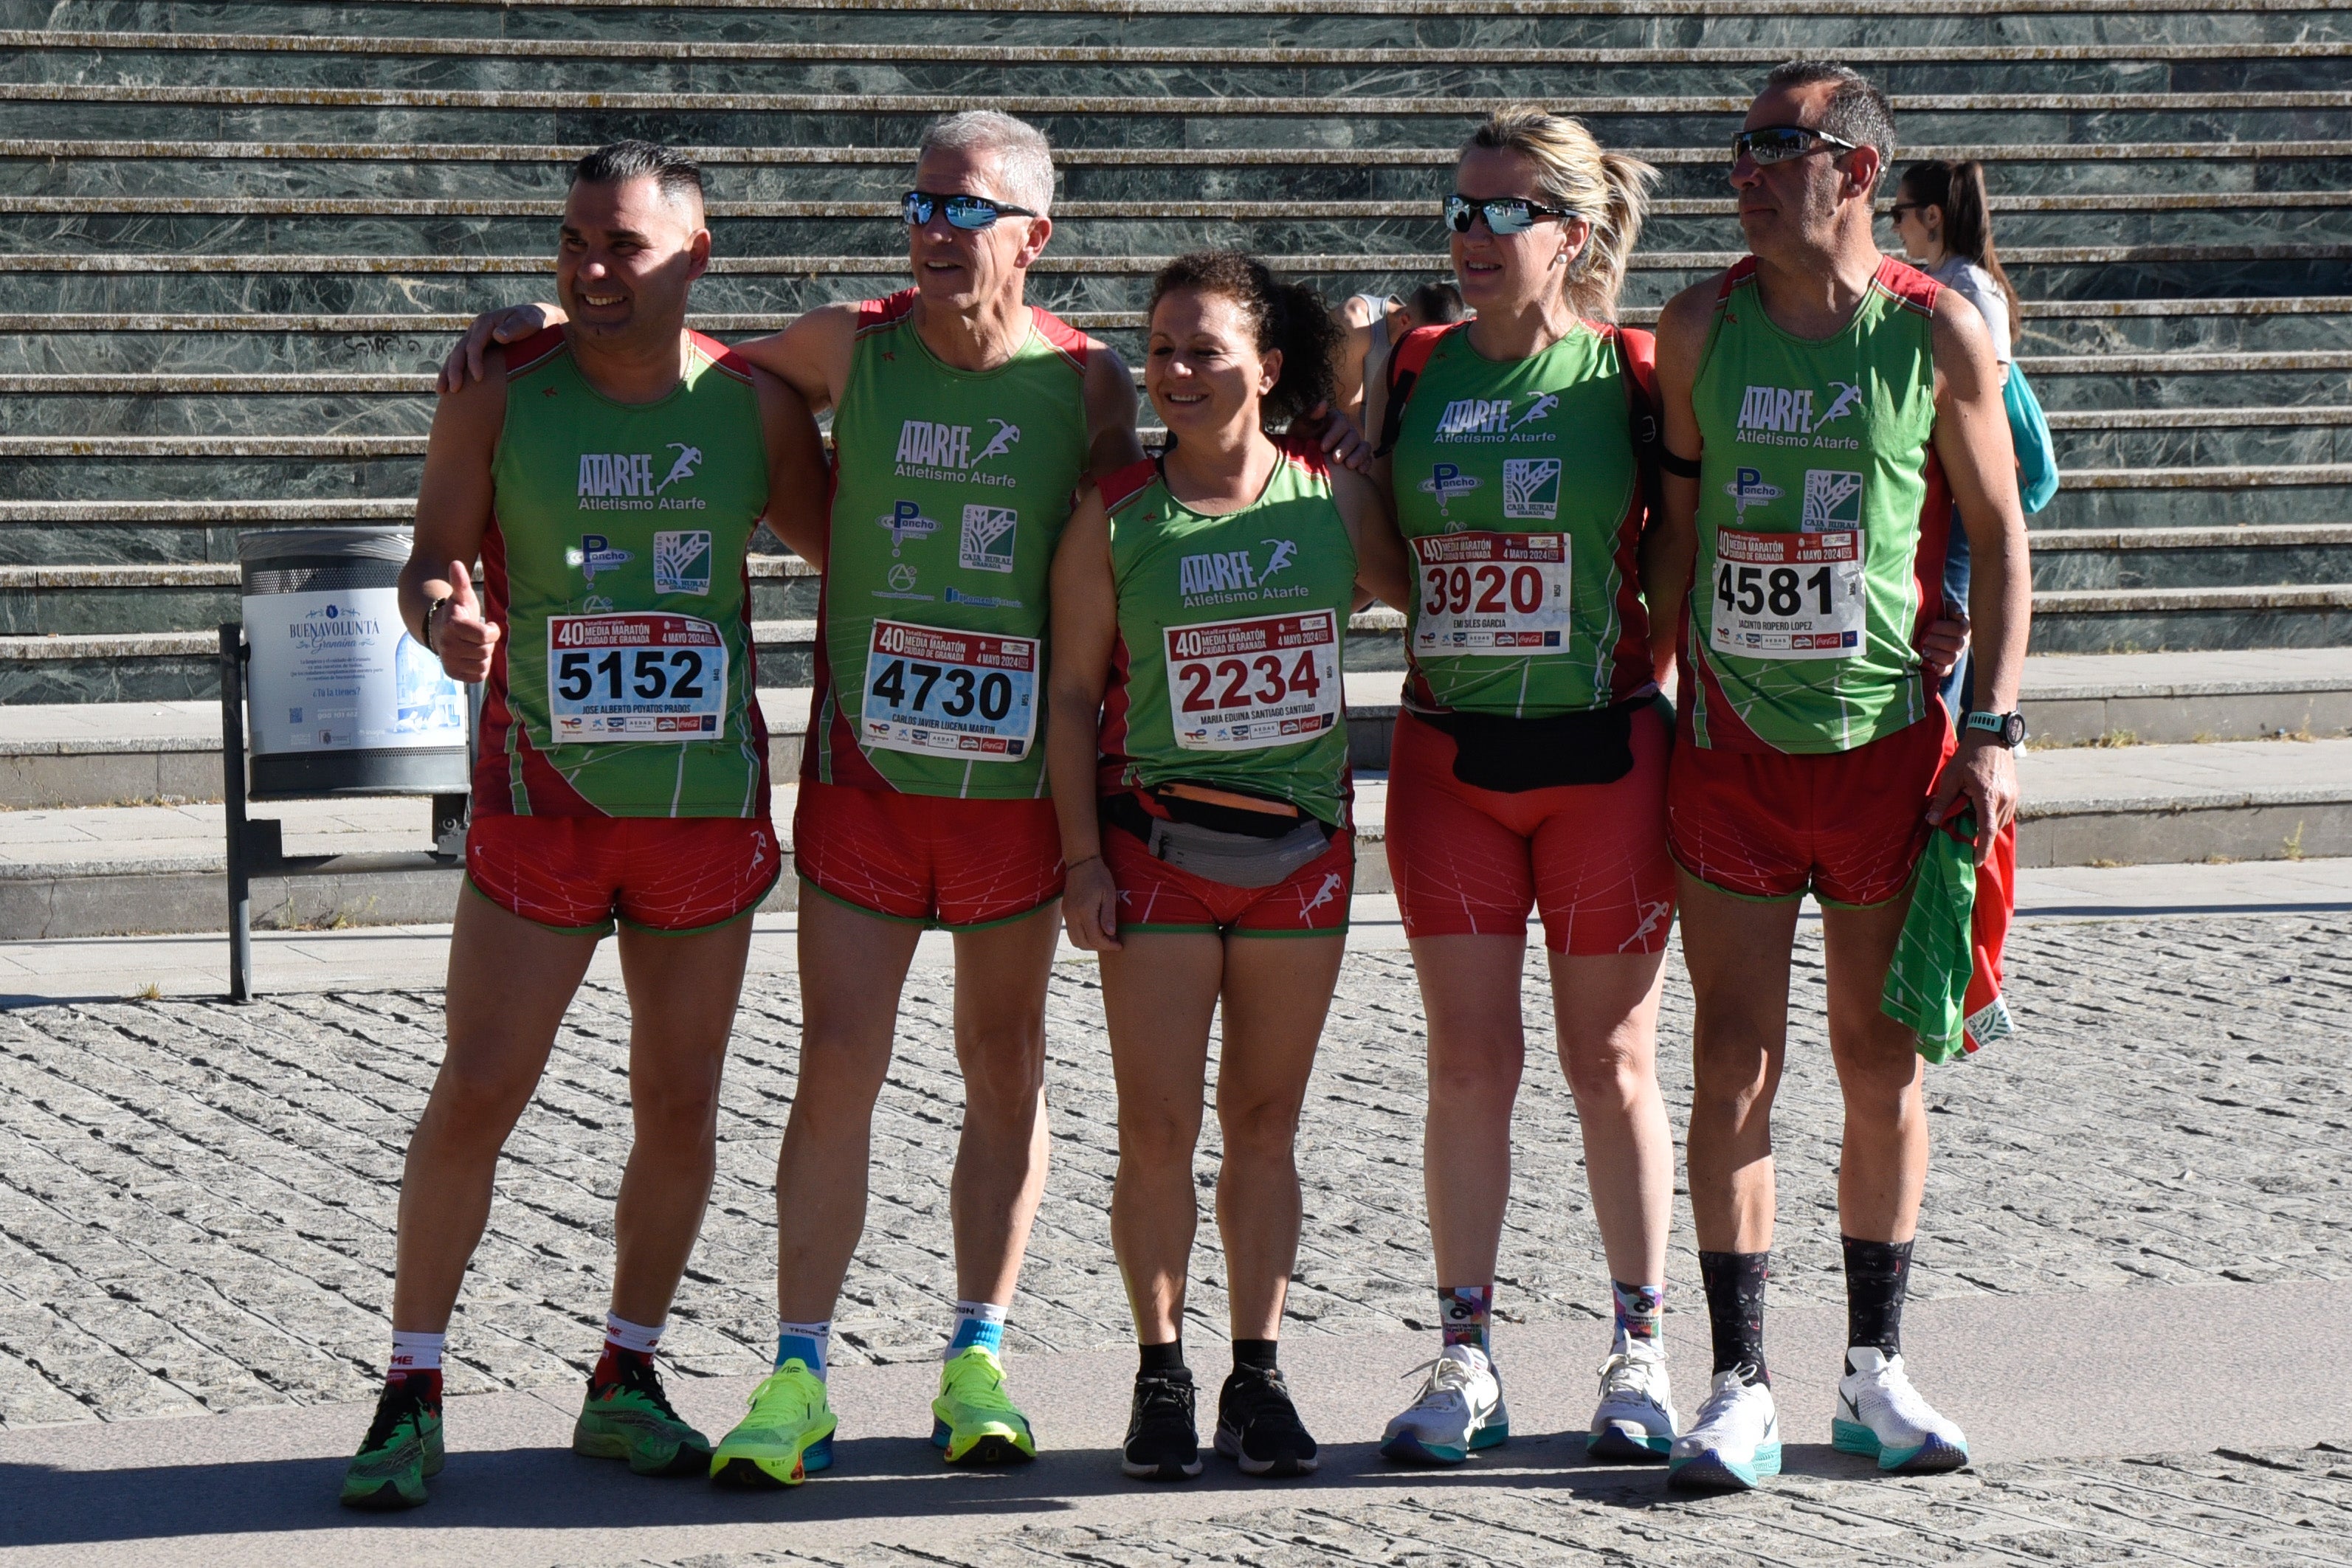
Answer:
(241, 894)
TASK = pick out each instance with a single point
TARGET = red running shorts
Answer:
(1849, 825)
(1591, 858)
(931, 858)
(1156, 896)
(676, 875)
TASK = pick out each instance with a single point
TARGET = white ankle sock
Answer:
(415, 1352)
(621, 1332)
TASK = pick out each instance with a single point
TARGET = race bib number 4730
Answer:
(1241, 685)
(1491, 593)
(635, 677)
(1788, 596)
(954, 694)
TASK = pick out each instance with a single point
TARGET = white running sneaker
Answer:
(1636, 1417)
(1880, 1415)
(1734, 1441)
(1460, 1409)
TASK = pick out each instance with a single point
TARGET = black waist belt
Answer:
(1512, 755)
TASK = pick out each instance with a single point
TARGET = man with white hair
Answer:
(964, 421)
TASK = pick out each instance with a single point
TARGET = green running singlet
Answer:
(1519, 497)
(1822, 517)
(951, 491)
(1228, 667)
(615, 564)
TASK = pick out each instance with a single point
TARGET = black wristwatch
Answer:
(2010, 726)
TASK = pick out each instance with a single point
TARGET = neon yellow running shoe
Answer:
(402, 1448)
(973, 1423)
(788, 1433)
(630, 1418)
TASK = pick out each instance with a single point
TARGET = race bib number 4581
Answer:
(956, 694)
(1240, 685)
(1491, 593)
(635, 677)
(1788, 596)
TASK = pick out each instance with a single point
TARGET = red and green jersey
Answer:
(1227, 671)
(1822, 517)
(1520, 500)
(615, 565)
(951, 491)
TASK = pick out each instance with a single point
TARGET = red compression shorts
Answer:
(676, 875)
(1590, 857)
(1847, 824)
(928, 858)
(1156, 896)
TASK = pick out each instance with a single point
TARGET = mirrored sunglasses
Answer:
(1504, 215)
(963, 212)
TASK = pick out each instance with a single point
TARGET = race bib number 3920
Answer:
(955, 694)
(635, 677)
(1491, 593)
(1788, 596)
(1241, 685)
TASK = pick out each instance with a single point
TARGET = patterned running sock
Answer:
(1877, 1275)
(809, 1343)
(1256, 1353)
(1640, 1313)
(1464, 1312)
(417, 1358)
(625, 1343)
(1735, 1311)
(977, 1323)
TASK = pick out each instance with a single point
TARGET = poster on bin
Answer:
(338, 672)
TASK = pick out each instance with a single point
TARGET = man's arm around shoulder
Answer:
(1112, 442)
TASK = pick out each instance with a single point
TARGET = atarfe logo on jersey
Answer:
(1794, 416)
(945, 452)
(624, 481)
(1221, 576)
(1490, 419)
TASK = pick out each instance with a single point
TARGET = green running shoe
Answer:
(630, 1418)
(403, 1446)
(788, 1433)
(973, 1423)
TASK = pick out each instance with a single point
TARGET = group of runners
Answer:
(1062, 684)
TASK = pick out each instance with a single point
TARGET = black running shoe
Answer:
(1163, 1443)
(1258, 1428)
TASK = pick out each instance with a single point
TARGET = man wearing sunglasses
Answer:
(1825, 406)
(964, 422)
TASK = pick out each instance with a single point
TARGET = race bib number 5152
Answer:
(1240, 685)
(1788, 596)
(1491, 593)
(635, 677)
(955, 694)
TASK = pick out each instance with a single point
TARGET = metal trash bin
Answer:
(342, 700)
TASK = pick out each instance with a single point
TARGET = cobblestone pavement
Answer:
(2279, 1506)
(196, 1200)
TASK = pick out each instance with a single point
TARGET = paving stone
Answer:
(196, 1200)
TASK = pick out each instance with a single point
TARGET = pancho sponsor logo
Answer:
(596, 554)
(1747, 489)
(1445, 482)
(906, 521)
(928, 450)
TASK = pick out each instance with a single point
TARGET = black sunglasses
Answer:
(1779, 143)
(963, 212)
(1504, 215)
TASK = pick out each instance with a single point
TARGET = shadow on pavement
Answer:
(872, 1479)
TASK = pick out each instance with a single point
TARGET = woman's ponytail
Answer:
(1958, 190)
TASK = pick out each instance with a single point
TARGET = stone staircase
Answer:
(234, 238)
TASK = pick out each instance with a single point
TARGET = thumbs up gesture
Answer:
(458, 633)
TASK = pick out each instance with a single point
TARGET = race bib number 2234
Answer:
(1240, 685)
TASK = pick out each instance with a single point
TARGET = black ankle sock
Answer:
(1735, 1309)
(1877, 1274)
(1256, 1353)
(1168, 1357)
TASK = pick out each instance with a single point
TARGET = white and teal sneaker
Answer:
(1460, 1409)
(1635, 1420)
(1734, 1442)
(1882, 1417)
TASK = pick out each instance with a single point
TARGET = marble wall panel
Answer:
(2253, 442)
(2214, 333)
(2191, 630)
(191, 353)
(2196, 508)
(2194, 389)
(199, 478)
(109, 680)
(82, 611)
(2191, 568)
(216, 414)
(109, 544)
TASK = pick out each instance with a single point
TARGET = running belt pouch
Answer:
(1512, 755)
(1260, 857)
(2029, 432)
(1935, 957)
